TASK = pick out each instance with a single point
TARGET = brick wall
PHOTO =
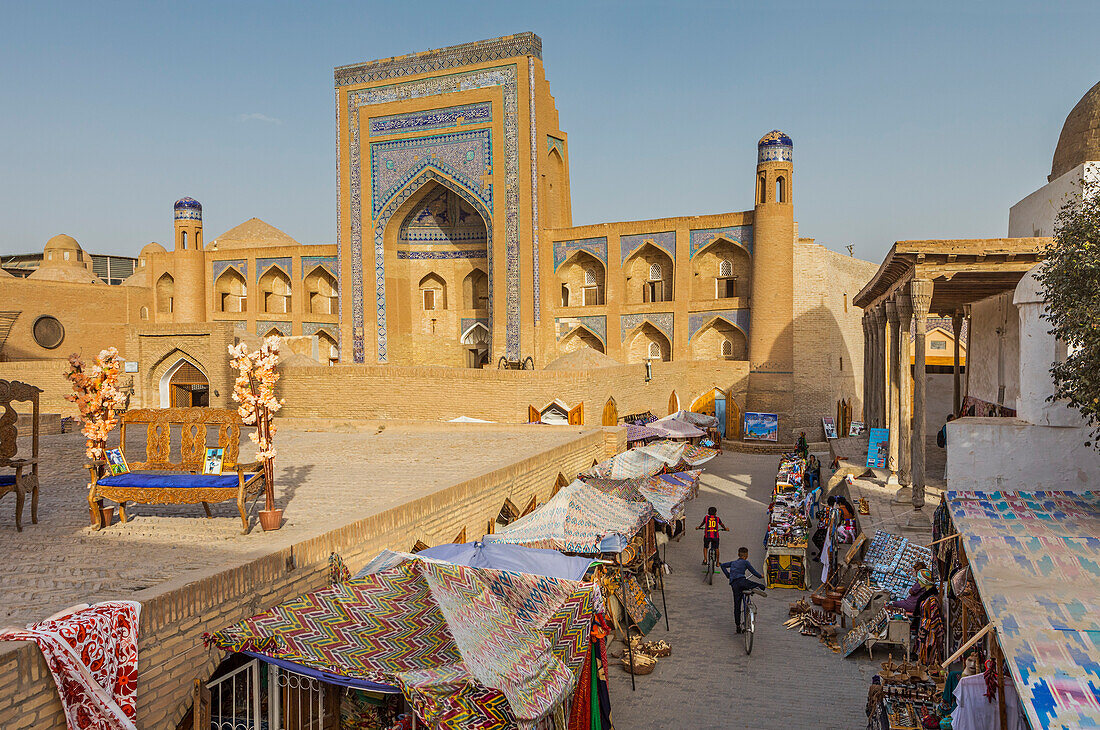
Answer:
(176, 614)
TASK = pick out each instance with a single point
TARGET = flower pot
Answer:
(271, 519)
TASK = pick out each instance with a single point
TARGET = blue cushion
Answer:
(6, 480)
(169, 480)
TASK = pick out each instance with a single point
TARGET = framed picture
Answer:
(116, 462)
(212, 464)
(878, 447)
(829, 423)
(761, 427)
(856, 428)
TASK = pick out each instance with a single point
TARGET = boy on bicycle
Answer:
(711, 524)
(735, 571)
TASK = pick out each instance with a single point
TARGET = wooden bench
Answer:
(159, 480)
(20, 481)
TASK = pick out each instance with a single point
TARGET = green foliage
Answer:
(1070, 276)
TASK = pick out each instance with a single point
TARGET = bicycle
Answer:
(748, 616)
(712, 562)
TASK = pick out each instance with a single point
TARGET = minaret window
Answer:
(655, 350)
(761, 190)
(727, 348)
(183, 239)
(725, 282)
(780, 195)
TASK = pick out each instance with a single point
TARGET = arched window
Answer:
(725, 284)
(565, 295)
(321, 289)
(183, 239)
(725, 268)
(231, 292)
(275, 291)
(727, 348)
(590, 277)
(762, 190)
(144, 312)
(166, 291)
(780, 194)
(655, 350)
(475, 290)
(433, 292)
(654, 272)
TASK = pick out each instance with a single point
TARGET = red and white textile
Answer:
(92, 654)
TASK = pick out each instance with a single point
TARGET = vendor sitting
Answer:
(909, 603)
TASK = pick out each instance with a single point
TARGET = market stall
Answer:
(785, 545)
(641, 461)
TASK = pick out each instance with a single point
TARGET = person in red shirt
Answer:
(711, 524)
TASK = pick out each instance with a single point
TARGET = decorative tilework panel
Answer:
(503, 76)
(666, 241)
(465, 156)
(537, 293)
(774, 153)
(597, 325)
(312, 328)
(474, 253)
(218, 267)
(283, 328)
(660, 320)
(739, 318)
(496, 49)
(262, 265)
(328, 263)
(702, 236)
(468, 322)
(553, 143)
(453, 116)
(564, 249)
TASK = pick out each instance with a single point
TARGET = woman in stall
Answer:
(927, 621)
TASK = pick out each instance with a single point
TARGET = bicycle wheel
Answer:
(750, 624)
(710, 567)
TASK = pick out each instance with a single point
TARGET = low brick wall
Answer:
(174, 615)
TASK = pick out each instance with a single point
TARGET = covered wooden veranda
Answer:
(919, 278)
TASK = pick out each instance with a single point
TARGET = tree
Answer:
(1070, 276)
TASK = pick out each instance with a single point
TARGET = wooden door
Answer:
(733, 417)
(576, 415)
(673, 403)
(533, 415)
(610, 413)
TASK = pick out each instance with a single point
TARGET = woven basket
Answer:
(643, 664)
(654, 649)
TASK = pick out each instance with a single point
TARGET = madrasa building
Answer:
(456, 249)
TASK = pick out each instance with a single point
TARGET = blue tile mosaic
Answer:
(453, 116)
(700, 237)
(416, 255)
(262, 265)
(187, 209)
(312, 328)
(465, 156)
(666, 241)
(739, 318)
(537, 293)
(476, 52)
(283, 328)
(553, 143)
(596, 324)
(661, 320)
(217, 267)
(328, 263)
(775, 146)
(564, 249)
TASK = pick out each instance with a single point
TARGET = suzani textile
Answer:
(92, 655)
(641, 461)
(578, 519)
(694, 456)
(667, 493)
(1035, 557)
(470, 648)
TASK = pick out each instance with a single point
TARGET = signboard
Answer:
(856, 428)
(829, 424)
(878, 448)
(761, 427)
(130, 366)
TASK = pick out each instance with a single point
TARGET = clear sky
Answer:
(910, 120)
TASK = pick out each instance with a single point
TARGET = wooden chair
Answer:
(158, 480)
(21, 481)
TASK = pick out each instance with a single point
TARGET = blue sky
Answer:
(914, 120)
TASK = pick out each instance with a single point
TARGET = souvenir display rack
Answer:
(786, 543)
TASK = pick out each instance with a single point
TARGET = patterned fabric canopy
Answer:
(469, 647)
(702, 420)
(635, 432)
(667, 493)
(641, 461)
(674, 428)
(578, 519)
(1035, 558)
(697, 455)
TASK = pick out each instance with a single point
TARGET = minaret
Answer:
(771, 336)
(190, 263)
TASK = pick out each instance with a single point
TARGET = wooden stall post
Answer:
(626, 620)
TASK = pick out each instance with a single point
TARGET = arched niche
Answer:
(231, 291)
(433, 292)
(579, 338)
(322, 291)
(648, 343)
(557, 201)
(165, 293)
(475, 290)
(328, 348)
(721, 270)
(583, 279)
(719, 340)
(275, 291)
(649, 275)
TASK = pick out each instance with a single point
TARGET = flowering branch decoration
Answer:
(254, 390)
(97, 397)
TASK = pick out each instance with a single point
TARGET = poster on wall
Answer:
(829, 423)
(878, 447)
(761, 426)
(856, 428)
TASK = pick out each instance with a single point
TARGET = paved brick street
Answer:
(788, 683)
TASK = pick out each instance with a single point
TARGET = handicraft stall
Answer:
(786, 542)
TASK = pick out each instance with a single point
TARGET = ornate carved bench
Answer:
(20, 481)
(159, 480)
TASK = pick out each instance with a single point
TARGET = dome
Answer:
(774, 146)
(188, 209)
(62, 242)
(1080, 138)
(153, 247)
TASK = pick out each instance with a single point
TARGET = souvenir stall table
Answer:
(786, 544)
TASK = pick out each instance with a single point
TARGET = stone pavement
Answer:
(323, 481)
(789, 682)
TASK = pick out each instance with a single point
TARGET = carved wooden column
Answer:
(920, 293)
(905, 416)
(865, 402)
(892, 391)
(956, 327)
(879, 394)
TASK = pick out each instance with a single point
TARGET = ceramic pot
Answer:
(108, 516)
(271, 519)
